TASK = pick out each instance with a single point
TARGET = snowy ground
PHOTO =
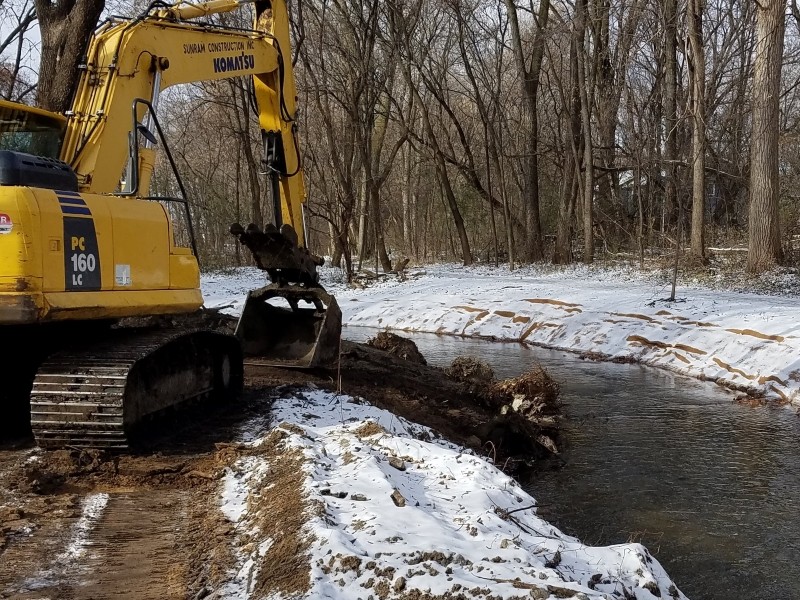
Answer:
(398, 513)
(393, 512)
(748, 341)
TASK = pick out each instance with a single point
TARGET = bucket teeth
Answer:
(304, 334)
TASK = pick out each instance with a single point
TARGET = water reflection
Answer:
(709, 486)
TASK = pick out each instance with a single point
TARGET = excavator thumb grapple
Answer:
(293, 322)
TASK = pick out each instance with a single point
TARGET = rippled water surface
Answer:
(712, 488)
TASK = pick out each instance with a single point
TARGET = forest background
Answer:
(503, 132)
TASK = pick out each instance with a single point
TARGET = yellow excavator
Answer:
(83, 246)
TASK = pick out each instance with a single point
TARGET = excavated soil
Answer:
(87, 524)
(84, 524)
(468, 410)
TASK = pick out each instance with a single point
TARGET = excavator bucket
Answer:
(291, 326)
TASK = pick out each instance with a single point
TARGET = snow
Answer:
(461, 525)
(92, 508)
(747, 341)
(465, 526)
(237, 483)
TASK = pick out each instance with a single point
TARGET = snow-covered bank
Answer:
(394, 512)
(748, 341)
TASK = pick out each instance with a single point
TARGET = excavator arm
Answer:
(129, 63)
(132, 60)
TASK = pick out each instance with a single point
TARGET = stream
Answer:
(710, 487)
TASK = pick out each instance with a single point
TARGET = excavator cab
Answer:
(31, 131)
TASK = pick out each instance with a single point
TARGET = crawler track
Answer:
(95, 396)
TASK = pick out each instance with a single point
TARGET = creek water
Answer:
(712, 488)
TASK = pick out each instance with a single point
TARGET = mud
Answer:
(156, 530)
(474, 412)
(78, 524)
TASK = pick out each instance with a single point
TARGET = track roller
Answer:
(94, 397)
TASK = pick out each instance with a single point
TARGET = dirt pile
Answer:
(528, 405)
(398, 346)
(277, 510)
(471, 409)
(534, 394)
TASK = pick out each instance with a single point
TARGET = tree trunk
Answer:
(571, 185)
(611, 70)
(765, 245)
(697, 67)
(670, 110)
(65, 27)
(377, 222)
(363, 222)
(586, 122)
(529, 76)
(562, 255)
(489, 189)
(408, 169)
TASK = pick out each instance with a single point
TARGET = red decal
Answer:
(6, 225)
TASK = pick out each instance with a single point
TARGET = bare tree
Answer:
(570, 99)
(670, 109)
(697, 67)
(18, 18)
(580, 28)
(65, 27)
(765, 245)
(403, 25)
(529, 71)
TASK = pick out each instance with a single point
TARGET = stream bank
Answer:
(472, 410)
(747, 342)
(711, 487)
(294, 491)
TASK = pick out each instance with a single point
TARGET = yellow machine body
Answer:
(83, 245)
(93, 252)
(73, 256)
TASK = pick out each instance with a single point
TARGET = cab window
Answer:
(29, 132)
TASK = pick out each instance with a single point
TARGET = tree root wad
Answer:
(515, 418)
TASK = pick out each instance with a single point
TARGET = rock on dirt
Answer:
(398, 498)
(398, 346)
